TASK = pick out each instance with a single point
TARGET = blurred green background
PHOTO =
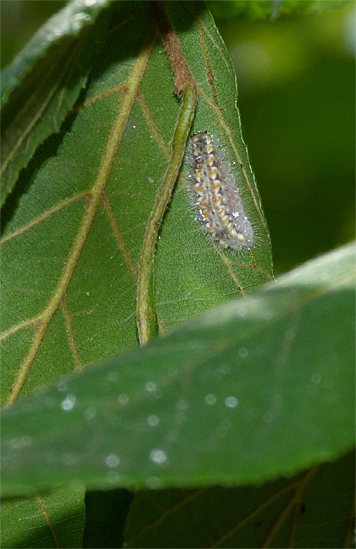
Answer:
(296, 80)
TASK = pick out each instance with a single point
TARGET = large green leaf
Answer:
(259, 388)
(43, 83)
(74, 228)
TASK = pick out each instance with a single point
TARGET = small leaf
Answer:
(259, 388)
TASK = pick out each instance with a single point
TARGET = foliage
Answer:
(252, 390)
(272, 8)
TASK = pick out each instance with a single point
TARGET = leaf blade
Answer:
(54, 196)
(245, 394)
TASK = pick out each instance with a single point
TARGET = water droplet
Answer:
(112, 477)
(61, 387)
(123, 399)
(224, 369)
(150, 386)
(268, 417)
(182, 404)
(316, 378)
(26, 440)
(243, 352)
(14, 443)
(154, 483)
(328, 384)
(241, 311)
(90, 412)
(153, 420)
(289, 335)
(69, 459)
(112, 460)
(210, 399)
(231, 402)
(158, 456)
(68, 403)
(112, 376)
(129, 134)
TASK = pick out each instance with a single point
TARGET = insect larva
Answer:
(216, 195)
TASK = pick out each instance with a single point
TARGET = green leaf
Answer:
(259, 388)
(43, 83)
(252, 9)
(75, 226)
(49, 521)
(314, 509)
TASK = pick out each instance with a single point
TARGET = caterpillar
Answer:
(216, 195)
